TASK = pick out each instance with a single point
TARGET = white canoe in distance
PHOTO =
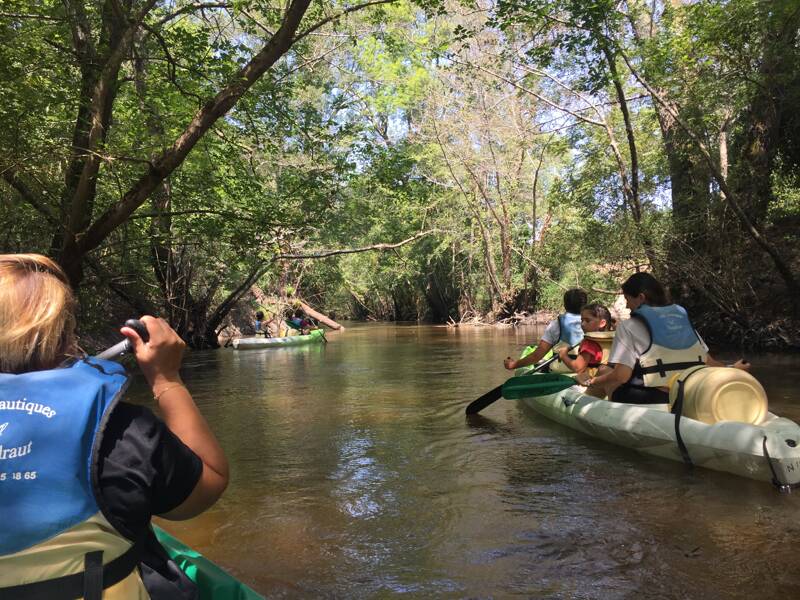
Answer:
(252, 343)
(729, 446)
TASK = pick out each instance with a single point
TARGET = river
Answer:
(355, 474)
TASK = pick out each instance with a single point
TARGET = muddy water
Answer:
(356, 474)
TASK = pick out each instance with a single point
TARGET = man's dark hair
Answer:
(574, 299)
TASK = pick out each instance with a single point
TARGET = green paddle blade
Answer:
(212, 582)
(541, 384)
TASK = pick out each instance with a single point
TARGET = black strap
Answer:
(80, 585)
(93, 576)
(661, 367)
(677, 408)
(783, 487)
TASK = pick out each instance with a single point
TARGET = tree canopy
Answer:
(172, 155)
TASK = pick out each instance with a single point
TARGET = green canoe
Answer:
(317, 335)
(212, 582)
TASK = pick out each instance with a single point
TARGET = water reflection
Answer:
(356, 474)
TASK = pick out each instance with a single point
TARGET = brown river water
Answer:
(355, 474)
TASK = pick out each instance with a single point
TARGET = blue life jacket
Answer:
(570, 332)
(51, 423)
(674, 344)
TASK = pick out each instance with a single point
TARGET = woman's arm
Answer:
(160, 358)
(611, 380)
(739, 364)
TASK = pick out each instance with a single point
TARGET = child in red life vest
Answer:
(594, 317)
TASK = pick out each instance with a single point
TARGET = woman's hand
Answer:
(160, 358)
(509, 363)
(563, 352)
(742, 364)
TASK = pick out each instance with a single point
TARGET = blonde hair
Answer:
(37, 314)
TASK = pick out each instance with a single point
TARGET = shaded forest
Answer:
(440, 161)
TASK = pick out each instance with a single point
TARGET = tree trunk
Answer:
(320, 317)
(79, 242)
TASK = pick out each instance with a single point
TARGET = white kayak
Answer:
(768, 451)
(252, 343)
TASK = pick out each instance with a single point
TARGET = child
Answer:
(594, 317)
(260, 325)
(565, 328)
(300, 323)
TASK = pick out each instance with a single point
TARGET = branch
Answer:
(137, 303)
(216, 318)
(234, 216)
(316, 26)
(191, 8)
(326, 253)
(257, 22)
(527, 90)
(12, 179)
(7, 15)
(172, 64)
(602, 291)
(213, 110)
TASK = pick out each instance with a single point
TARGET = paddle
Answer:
(125, 345)
(494, 395)
(541, 385)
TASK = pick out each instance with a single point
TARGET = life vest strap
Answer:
(661, 367)
(88, 585)
(93, 575)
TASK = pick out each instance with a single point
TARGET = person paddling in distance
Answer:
(260, 325)
(564, 328)
(300, 322)
(594, 317)
(77, 506)
(657, 342)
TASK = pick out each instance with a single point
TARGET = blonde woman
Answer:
(81, 471)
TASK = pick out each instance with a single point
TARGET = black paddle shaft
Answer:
(494, 395)
(125, 346)
(478, 405)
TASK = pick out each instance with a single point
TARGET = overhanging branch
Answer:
(327, 253)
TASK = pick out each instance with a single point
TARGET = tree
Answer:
(92, 72)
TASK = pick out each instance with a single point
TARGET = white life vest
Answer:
(674, 344)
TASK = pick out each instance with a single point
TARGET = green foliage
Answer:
(786, 187)
(502, 134)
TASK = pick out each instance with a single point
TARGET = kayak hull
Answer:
(255, 343)
(728, 446)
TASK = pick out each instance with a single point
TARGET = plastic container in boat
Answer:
(712, 394)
